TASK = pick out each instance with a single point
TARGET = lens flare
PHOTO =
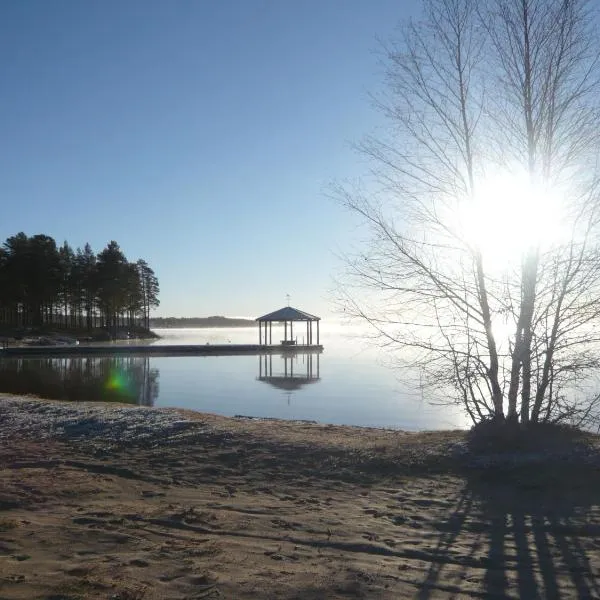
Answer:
(118, 382)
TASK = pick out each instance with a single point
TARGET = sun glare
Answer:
(504, 330)
(508, 216)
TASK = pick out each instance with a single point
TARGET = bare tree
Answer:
(483, 264)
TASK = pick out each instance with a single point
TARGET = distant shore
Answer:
(100, 500)
(46, 335)
(199, 322)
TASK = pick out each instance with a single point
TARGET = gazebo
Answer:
(286, 315)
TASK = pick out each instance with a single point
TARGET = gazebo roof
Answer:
(288, 383)
(287, 313)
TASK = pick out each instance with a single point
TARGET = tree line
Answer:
(43, 284)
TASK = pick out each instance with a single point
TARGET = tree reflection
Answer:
(127, 379)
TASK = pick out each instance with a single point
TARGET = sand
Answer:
(130, 504)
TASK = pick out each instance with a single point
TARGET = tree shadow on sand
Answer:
(522, 531)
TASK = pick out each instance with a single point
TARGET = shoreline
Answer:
(71, 421)
(31, 337)
(45, 418)
(116, 501)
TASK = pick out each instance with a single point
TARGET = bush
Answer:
(510, 436)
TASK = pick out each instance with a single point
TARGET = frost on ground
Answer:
(111, 424)
(103, 426)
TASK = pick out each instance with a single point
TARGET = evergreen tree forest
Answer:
(45, 285)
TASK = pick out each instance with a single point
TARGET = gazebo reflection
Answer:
(291, 371)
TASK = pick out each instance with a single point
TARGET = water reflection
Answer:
(127, 379)
(292, 370)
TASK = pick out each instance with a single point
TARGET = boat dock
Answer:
(157, 350)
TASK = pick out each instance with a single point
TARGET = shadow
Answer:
(128, 379)
(523, 532)
(454, 525)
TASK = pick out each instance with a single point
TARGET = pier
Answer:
(157, 350)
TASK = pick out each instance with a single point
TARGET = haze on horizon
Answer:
(202, 136)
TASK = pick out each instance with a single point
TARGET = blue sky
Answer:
(200, 134)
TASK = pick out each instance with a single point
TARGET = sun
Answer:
(508, 215)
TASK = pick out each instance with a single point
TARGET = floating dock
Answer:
(157, 350)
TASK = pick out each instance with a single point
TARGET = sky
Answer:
(201, 135)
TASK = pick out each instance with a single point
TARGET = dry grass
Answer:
(7, 524)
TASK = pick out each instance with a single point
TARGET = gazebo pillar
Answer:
(285, 331)
(317, 333)
(259, 334)
(271, 332)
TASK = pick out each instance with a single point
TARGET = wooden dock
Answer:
(157, 350)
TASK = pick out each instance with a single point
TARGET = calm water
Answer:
(346, 384)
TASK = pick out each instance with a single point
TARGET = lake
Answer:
(346, 384)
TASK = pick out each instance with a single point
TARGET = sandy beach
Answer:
(126, 503)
